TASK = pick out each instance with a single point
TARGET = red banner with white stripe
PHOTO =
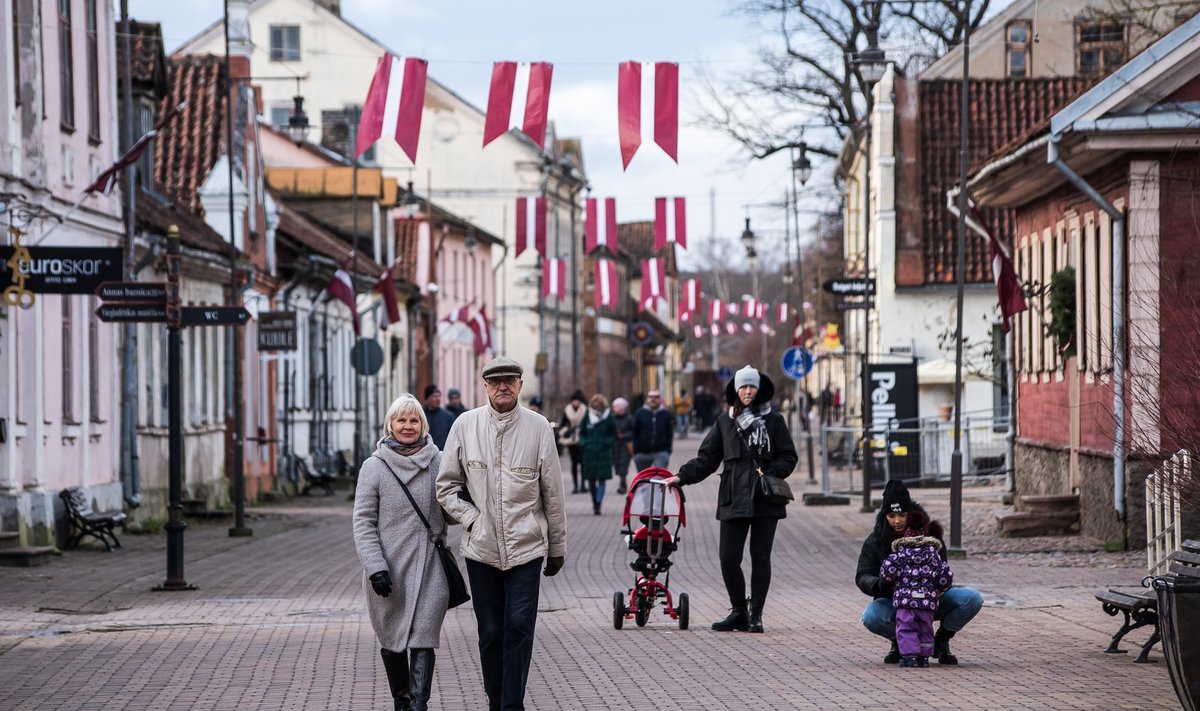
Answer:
(781, 313)
(482, 328)
(531, 222)
(716, 311)
(600, 225)
(606, 283)
(636, 98)
(554, 278)
(670, 222)
(519, 98)
(690, 303)
(394, 104)
(654, 279)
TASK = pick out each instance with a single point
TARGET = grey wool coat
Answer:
(389, 535)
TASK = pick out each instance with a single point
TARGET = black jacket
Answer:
(439, 425)
(878, 546)
(653, 430)
(738, 496)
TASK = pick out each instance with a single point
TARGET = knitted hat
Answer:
(745, 376)
(896, 498)
(578, 395)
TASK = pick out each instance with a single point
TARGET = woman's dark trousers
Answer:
(505, 604)
(761, 531)
(577, 482)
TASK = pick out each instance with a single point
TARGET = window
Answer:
(94, 360)
(145, 162)
(16, 50)
(68, 401)
(285, 43)
(280, 115)
(1099, 47)
(66, 76)
(338, 127)
(1018, 47)
(1000, 402)
(93, 59)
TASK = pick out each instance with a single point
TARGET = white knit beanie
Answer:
(745, 376)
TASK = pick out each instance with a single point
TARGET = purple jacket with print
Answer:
(918, 571)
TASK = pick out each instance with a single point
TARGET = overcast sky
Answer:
(586, 42)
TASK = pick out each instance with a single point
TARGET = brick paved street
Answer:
(278, 622)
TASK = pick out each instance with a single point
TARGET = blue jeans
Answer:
(506, 603)
(955, 610)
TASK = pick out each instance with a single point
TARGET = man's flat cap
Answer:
(502, 368)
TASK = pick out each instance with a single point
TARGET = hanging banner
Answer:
(654, 281)
(637, 98)
(531, 222)
(606, 283)
(554, 277)
(519, 98)
(670, 222)
(600, 225)
(394, 104)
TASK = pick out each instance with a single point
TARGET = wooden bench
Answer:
(314, 477)
(86, 522)
(1140, 606)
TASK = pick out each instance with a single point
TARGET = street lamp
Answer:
(298, 126)
(802, 166)
(412, 204)
(471, 241)
(871, 64)
(748, 239)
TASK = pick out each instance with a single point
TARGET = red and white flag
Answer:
(781, 313)
(394, 104)
(482, 328)
(747, 327)
(760, 310)
(600, 225)
(519, 98)
(341, 288)
(606, 283)
(554, 278)
(107, 180)
(698, 331)
(636, 97)
(730, 327)
(654, 280)
(690, 303)
(670, 222)
(391, 305)
(750, 308)
(459, 315)
(764, 328)
(531, 222)
(685, 316)
(1012, 301)
(714, 329)
(716, 311)
(731, 308)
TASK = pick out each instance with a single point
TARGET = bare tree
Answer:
(810, 79)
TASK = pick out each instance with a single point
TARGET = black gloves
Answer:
(553, 564)
(381, 583)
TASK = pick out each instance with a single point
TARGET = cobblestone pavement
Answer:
(278, 622)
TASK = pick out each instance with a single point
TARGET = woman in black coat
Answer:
(746, 437)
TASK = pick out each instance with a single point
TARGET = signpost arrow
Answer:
(132, 313)
(132, 291)
(214, 315)
(850, 287)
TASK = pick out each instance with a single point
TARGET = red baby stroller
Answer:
(654, 504)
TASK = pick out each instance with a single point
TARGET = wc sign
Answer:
(893, 408)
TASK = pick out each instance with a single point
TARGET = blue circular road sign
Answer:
(796, 362)
(724, 373)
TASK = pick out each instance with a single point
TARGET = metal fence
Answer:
(920, 452)
(1163, 533)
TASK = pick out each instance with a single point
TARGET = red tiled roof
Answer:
(637, 238)
(321, 241)
(146, 51)
(156, 214)
(189, 146)
(1003, 112)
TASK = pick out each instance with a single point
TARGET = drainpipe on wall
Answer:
(1118, 309)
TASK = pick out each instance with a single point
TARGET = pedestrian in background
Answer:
(748, 439)
(597, 437)
(438, 417)
(396, 549)
(623, 447)
(568, 436)
(454, 402)
(956, 607)
(653, 433)
(683, 408)
(500, 478)
(837, 404)
(705, 405)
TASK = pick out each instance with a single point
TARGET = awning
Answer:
(941, 372)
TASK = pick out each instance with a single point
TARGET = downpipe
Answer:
(1118, 310)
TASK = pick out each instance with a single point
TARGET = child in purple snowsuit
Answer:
(920, 577)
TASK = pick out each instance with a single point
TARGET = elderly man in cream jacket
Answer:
(500, 478)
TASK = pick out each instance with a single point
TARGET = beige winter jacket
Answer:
(506, 465)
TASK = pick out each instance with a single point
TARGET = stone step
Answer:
(1191, 546)
(26, 557)
(1049, 503)
(1027, 523)
(8, 541)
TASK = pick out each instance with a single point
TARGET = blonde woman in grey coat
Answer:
(403, 581)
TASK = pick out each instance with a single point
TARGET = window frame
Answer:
(66, 68)
(280, 52)
(1101, 45)
(68, 361)
(1011, 46)
(92, 20)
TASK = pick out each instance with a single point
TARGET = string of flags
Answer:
(519, 98)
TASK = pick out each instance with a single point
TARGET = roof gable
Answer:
(190, 145)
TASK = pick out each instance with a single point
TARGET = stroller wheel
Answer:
(618, 610)
(642, 614)
(682, 609)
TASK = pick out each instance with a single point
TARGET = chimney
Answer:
(334, 6)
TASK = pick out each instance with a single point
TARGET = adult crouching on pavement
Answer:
(747, 437)
(500, 478)
(403, 580)
(957, 606)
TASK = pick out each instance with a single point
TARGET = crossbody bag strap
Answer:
(411, 500)
(746, 444)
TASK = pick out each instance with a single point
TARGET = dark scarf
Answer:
(405, 450)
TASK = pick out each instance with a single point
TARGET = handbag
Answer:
(454, 577)
(773, 489)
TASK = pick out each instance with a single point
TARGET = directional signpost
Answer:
(215, 315)
(796, 362)
(850, 287)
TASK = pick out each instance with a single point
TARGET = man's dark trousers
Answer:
(506, 603)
